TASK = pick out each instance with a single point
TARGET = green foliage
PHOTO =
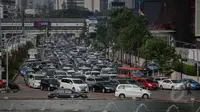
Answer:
(187, 69)
(16, 59)
(122, 30)
(158, 50)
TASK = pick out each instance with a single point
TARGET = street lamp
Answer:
(7, 77)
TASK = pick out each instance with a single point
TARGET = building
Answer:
(5, 9)
(116, 4)
(21, 4)
(103, 5)
(60, 4)
(92, 5)
(122, 3)
(79, 3)
(196, 19)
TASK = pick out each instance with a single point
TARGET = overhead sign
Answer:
(42, 24)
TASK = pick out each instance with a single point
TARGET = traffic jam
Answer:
(73, 70)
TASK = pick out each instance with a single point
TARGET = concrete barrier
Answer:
(177, 76)
(94, 106)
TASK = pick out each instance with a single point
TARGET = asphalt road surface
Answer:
(29, 93)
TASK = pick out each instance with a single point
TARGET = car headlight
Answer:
(149, 84)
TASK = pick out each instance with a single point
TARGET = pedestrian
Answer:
(188, 88)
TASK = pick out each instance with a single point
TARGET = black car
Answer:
(66, 93)
(49, 84)
(115, 82)
(103, 87)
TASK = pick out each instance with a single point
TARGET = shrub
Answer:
(187, 69)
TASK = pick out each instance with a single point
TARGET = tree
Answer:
(128, 30)
(157, 49)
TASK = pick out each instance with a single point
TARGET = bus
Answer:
(130, 72)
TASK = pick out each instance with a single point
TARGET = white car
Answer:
(130, 90)
(160, 79)
(171, 84)
(74, 84)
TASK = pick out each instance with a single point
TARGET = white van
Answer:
(74, 84)
(132, 91)
(34, 80)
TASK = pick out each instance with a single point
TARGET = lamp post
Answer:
(7, 77)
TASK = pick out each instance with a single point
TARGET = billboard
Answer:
(197, 18)
(42, 24)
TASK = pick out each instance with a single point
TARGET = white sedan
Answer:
(171, 84)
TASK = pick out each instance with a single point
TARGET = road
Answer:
(29, 93)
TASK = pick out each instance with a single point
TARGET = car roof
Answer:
(72, 78)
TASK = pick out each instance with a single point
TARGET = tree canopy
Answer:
(123, 30)
(126, 31)
(157, 49)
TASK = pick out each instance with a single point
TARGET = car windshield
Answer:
(137, 73)
(150, 81)
(99, 79)
(61, 77)
(53, 81)
(107, 83)
(175, 81)
(106, 71)
(60, 73)
(152, 64)
(39, 77)
(96, 74)
(106, 78)
(78, 81)
(193, 81)
(163, 78)
(123, 81)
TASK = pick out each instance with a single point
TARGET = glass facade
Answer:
(117, 5)
(103, 5)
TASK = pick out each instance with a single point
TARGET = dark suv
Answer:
(66, 93)
(49, 84)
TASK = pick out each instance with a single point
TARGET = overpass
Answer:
(56, 25)
(76, 32)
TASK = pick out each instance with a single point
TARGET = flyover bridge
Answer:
(55, 25)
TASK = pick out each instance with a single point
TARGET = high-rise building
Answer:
(103, 5)
(6, 6)
(21, 4)
(92, 5)
(68, 3)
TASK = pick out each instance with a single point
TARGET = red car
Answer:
(1, 83)
(148, 83)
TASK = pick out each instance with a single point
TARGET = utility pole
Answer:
(22, 13)
(1, 13)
